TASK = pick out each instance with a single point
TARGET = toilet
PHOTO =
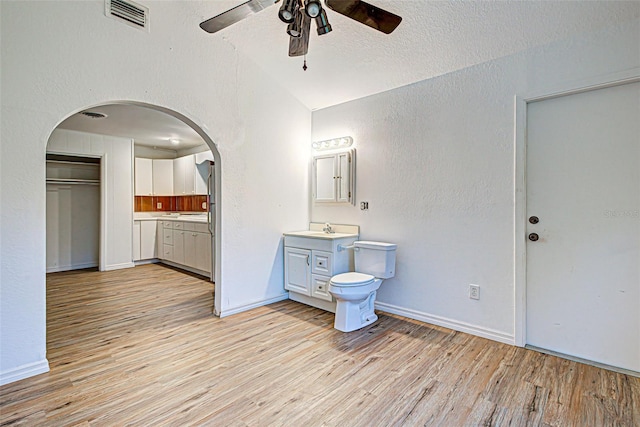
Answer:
(355, 292)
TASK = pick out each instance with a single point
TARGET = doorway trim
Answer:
(520, 184)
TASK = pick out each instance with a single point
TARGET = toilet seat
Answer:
(351, 279)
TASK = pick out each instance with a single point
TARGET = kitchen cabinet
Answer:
(162, 177)
(334, 177)
(136, 241)
(178, 243)
(311, 259)
(197, 246)
(184, 171)
(187, 244)
(148, 247)
(183, 176)
(144, 240)
(143, 177)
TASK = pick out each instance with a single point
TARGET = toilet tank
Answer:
(375, 258)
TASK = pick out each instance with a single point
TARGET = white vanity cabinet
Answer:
(311, 258)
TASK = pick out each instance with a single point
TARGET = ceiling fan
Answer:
(299, 13)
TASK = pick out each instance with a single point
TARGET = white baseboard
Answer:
(24, 371)
(448, 323)
(231, 311)
(71, 267)
(147, 261)
(119, 266)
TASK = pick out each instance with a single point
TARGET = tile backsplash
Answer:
(170, 203)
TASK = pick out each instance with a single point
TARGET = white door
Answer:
(583, 185)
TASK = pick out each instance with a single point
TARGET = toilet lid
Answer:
(352, 279)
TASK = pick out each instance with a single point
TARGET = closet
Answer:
(73, 212)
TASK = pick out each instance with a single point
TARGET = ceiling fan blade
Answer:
(366, 13)
(234, 15)
(299, 46)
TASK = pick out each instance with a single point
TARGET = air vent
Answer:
(128, 12)
(94, 114)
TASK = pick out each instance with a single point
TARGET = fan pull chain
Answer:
(304, 66)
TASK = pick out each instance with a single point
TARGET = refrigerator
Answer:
(206, 169)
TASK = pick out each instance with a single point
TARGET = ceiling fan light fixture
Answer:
(313, 8)
(322, 23)
(287, 12)
(295, 28)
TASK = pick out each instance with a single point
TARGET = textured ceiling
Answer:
(146, 126)
(434, 38)
(353, 61)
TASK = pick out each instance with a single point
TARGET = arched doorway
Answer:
(150, 126)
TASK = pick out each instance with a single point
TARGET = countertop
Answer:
(181, 218)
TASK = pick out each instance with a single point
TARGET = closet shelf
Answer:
(73, 181)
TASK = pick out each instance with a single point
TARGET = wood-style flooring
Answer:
(141, 347)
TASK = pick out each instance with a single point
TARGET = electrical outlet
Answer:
(364, 206)
(474, 291)
(204, 205)
(159, 205)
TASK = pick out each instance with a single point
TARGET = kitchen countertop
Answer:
(181, 218)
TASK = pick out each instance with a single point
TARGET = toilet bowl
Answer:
(355, 292)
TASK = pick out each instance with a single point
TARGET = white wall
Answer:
(62, 57)
(117, 159)
(436, 163)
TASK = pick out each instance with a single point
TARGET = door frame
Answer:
(520, 181)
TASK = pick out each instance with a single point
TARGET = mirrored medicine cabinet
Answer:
(333, 177)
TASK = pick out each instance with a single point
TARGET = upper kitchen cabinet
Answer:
(334, 177)
(184, 169)
(143, 177)
(163, 177)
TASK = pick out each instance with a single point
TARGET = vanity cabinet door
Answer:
(297, 270)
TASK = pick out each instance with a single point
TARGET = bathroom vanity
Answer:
(312, 257)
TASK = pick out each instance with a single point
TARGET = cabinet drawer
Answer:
(201, 227)
(188, 226)
(167, 224)
(167, 252)
(321, 263)
(177, 225)
(320, 287)
(167, 237)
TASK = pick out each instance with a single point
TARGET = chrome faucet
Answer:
(327, 228)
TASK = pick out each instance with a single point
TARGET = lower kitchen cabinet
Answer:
(145, 240)
(187, 244)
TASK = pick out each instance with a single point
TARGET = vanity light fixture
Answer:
(333, 144)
